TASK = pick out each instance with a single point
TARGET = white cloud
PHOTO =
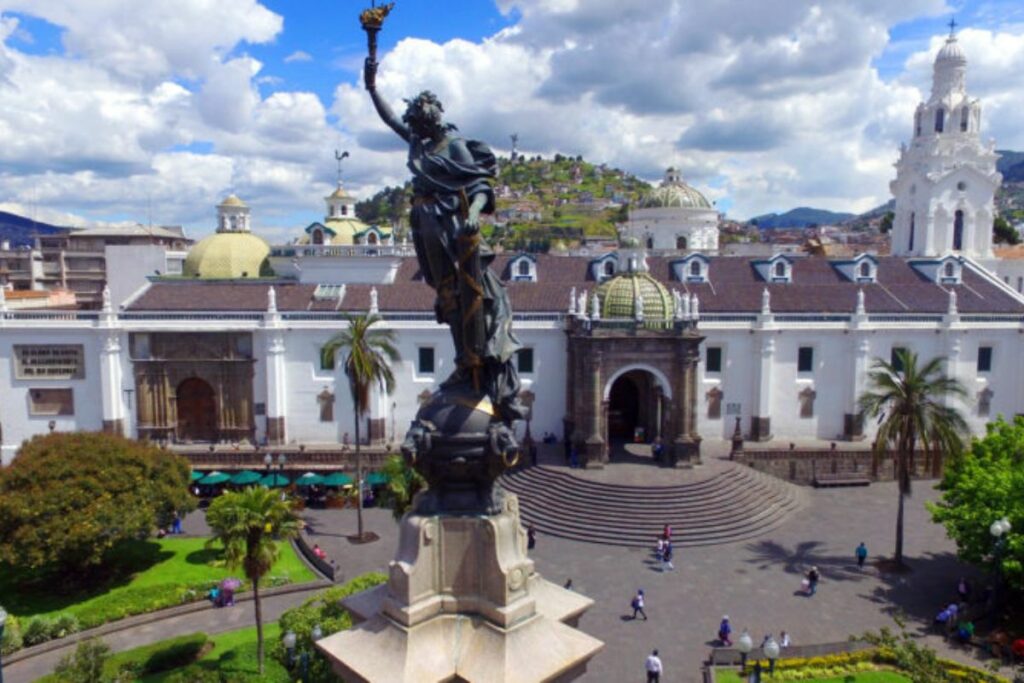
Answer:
(771, 104)
(298, 56)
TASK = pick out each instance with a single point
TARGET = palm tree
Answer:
(403, 484)
(248, 524)
(369, 354)
(910, 404)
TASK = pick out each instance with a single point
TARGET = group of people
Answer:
(725, 635)
(174, 528)
(954, 619)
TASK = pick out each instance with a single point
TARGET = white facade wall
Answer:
(842, 355)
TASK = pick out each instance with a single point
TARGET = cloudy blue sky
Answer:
(128, 111)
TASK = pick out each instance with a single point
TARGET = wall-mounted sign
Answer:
(49, 361)
(733, 408)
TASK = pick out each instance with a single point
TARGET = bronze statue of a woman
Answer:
(452, 187)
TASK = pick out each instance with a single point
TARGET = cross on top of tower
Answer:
(339, 156)
(952, 26)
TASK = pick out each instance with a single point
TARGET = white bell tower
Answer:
(946, 178)
(233, 215)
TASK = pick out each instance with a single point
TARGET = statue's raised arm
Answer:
(383, 108)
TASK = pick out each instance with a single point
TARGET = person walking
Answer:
(666, 557)
(659, 550)
(638, 604)
(862, 554)
(724, 631)
(667, 532)
(813, 576)
(653, 667)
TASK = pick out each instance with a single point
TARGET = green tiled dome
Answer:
(618, 297)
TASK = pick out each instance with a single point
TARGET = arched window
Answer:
(681, 243)
(949, 270)
(865, 269)
(940, 119)
(609, 268)
(917, 124)
(234, 222)
(371, 238)
(524, 267)
(965, 117)
(910, 247)
(695, 268)
(334, 210)
(318, 236)
(650, 243)
(344, 209)
(958, 230)
(780, 269)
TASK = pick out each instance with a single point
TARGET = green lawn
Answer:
(858, 677)
(234, 652)
(144, 576)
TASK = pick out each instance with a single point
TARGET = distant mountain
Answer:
(801, 217)
(1011, 165)
(19, 231)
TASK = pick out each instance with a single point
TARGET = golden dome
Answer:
(229, 256)
(618, 297)
(345, 229)
(233, 200)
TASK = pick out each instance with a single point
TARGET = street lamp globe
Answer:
(997, 528)
(268, 459)
(281, 460)
(745, 643)
(771, 649)
(289, 640)
(318, 632)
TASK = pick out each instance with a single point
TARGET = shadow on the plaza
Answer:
(924, 590)
(798, 560)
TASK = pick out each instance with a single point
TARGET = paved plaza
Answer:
(755, 582)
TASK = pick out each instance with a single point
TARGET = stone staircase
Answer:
(733, 503)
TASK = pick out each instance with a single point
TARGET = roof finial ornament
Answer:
(107, 305)
(861, 310)
(952, 27)
(572, 301)
(595, 307)
(766, 302)
(339, 156)
(952, 302)
(271, 300)
(374, 308)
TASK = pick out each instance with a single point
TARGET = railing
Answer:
(51, 315)
(904, 318)
(728, 317)
(992, 318)
(811, 318)
(326, 250)
(226, 315)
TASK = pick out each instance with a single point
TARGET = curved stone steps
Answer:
(734, 504)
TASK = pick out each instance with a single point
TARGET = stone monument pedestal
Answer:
(463, 603)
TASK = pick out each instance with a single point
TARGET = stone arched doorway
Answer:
(634, 407)
(197, 411)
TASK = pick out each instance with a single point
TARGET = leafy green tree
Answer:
(915, 660)
(368, 357)
(985, 485)
(403, 484)
(1003, 232)
(886, 223)
(85, 664)
(324, 610)
(248, 524)
(910, 400)
(68, 498)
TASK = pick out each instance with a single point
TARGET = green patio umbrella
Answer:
(275, 480)
(376, 478)
(337, 479)
(196, 476)
(309, 479)
(245, 477)
(215, 478)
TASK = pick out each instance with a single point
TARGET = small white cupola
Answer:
(862, 269)
(693, 268)
(233, 215)
(944, 271)
(778, 268)
(523, 268)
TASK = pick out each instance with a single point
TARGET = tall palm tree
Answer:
(368, 357)
(248, 524)
(910, 402)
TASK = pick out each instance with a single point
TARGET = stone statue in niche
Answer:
(714, 397)
(807, 397)
(326, 400)
(985, 402)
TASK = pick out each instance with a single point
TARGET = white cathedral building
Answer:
(781, 344)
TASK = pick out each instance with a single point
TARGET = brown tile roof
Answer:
(735, 286)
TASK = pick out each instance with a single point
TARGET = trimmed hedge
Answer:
(839, 664)
(150, 659)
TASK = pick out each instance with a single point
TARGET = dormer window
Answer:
(780, 269)
(695, 269)
(524, 267)
(949, 270)
(609, 268)
(865, 269)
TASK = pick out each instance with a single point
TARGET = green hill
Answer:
(540, 201)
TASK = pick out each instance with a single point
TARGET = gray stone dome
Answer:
(673, 192)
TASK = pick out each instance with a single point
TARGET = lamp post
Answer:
(999, 529)
(744, 644)
(268, 460)
(3, 620)
(281, 461)
(289, 645)
(771, 651)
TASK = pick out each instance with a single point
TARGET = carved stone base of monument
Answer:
(463, 603)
